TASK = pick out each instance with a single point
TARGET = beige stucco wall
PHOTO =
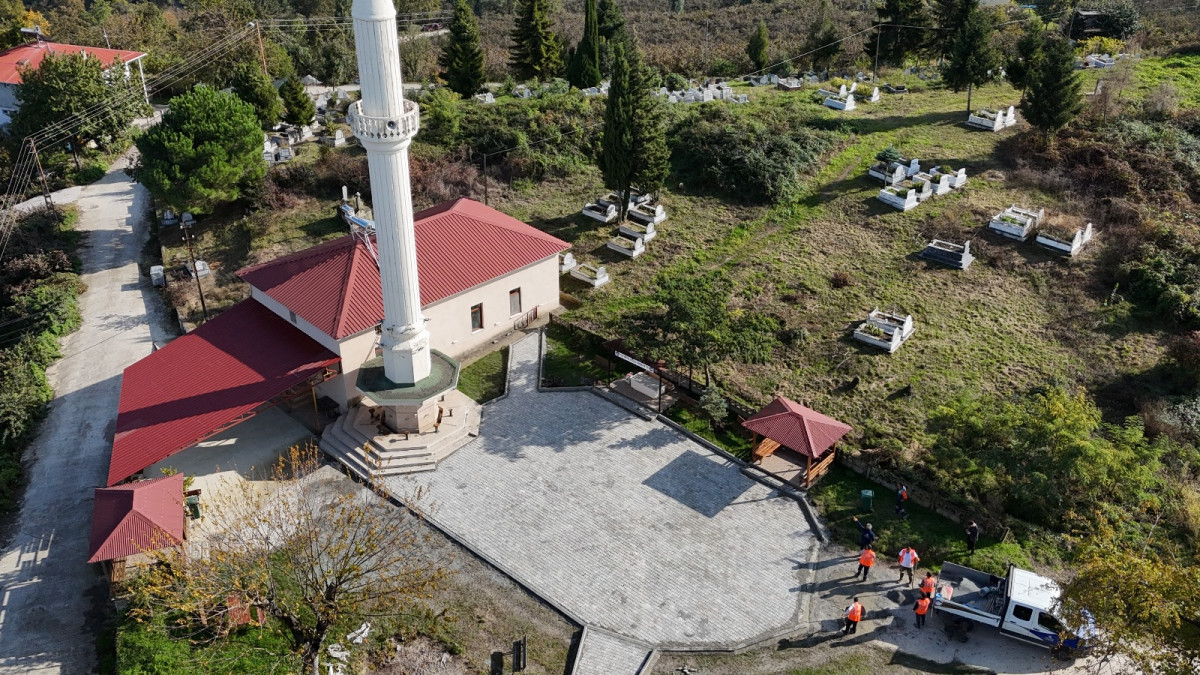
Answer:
(449, 321)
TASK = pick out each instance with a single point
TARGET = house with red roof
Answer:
(31, 54)
(311, 321)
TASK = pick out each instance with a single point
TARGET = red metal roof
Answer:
(138, 517)
(206, 380)
(792, 425)
(30, 55)
(460, 245)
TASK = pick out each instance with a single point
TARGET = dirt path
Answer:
(52, 597)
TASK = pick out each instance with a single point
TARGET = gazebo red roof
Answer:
(137, 517)
(460, 245)
(792, 425)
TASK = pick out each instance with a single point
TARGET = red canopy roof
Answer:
(138, 517)
(792, 425)
(30, 56)
(205, 380)
(460, 245)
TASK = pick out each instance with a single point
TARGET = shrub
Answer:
(840, 279)
(675, 82)
(757, 159)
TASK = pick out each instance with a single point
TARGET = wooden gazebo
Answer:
(805, 432)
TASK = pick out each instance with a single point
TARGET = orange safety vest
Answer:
(915, 558)
(867, 558)
(855, 613)
(927, 585)
(922, 606)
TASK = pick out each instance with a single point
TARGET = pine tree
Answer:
(462, 57)
(822, 36)
(584, 68)
(634, 147)
(1028, 54)
(950, 16)
(758, 47)
(897, 44)
(972, 57)
(612, 30)
(536, 54)
(252, 86)
(299, 107)
(1055, 94)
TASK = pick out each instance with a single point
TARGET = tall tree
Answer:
(584, 68)
(1055, 94)
(66, 86)
(896, 44)
(462, 58)
(612, 30)
(822, 40)
(759, 46)
(536, 54)
(206, 151)
(950, 16)
(320, 553)
(972, 57)
(252, 86)
(300, 108)
(1027, 55)
(633, 148)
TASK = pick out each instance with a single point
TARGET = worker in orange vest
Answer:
(921, 610)
(854, 614)
(908, 560)
(865, 560)
(928, 584)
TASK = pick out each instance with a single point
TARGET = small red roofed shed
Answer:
(787, 424)
(136, 518)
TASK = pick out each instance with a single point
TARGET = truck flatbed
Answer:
(971, 594)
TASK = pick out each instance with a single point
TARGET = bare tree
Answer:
(311, 549)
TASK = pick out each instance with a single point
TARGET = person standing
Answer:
(921, 610)
(865, 561)
(972, 537)
(928, 584)
(854, 614)
(901, 499)
(868, 534)
(908, 559)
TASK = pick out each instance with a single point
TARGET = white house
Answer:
(30, 55)
(311, 320)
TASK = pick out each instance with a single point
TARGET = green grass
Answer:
(700, 425)
(937, 539)
(1181, 70)
(483, 380)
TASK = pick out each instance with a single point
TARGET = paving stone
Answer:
(603, 653)
(621, 522)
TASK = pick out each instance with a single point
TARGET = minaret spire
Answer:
(385, 124)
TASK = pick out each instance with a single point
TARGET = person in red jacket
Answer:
(921, 610)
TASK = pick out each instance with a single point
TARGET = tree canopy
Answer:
(972, 58)
(897, 44)
(950, 16)
(633, 147)
(583, 71)
(14, 17)
(299, 108)
(252, 86)
(759, 46)
(1055, 93)
(536, 53)
(822, 36)
(206, 150)
(462, 57)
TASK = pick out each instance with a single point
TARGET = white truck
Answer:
(1020, 605)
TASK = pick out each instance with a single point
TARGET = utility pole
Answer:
(187, 228)
(262, 53)
(485, 181)
(875, 73)
(105, 31)
(45, 185)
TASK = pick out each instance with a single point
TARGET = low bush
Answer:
(756, 159)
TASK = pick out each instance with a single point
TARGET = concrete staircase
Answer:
(355, 441)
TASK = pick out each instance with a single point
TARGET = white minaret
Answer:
(385, 124)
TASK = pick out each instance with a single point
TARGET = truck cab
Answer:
(1020, 605)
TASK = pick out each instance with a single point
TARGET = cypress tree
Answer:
(1028, 54)
(536, 54)
(896, 44)
(634, 148)
(252, 86)
(972, 56)
(612, 30)
(584, 68)
(462, 57)
(821, 36)
(299, 107)
(758, 47)
(1055, 94)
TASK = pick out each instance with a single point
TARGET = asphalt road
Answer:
(52, 599)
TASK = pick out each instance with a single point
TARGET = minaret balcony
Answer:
(398, 128)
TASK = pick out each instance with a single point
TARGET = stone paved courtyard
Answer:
(622, 523)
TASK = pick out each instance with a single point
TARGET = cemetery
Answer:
(949, 254)
(885, 330)
(601, 211)
(1063, 239)
(631, 247)
(648, 214)
(955, 178)
(992, 120)
(566, 262)
(632, 230)
(899, 196)
(592, 275)
(840, 103)
(1016, 222)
